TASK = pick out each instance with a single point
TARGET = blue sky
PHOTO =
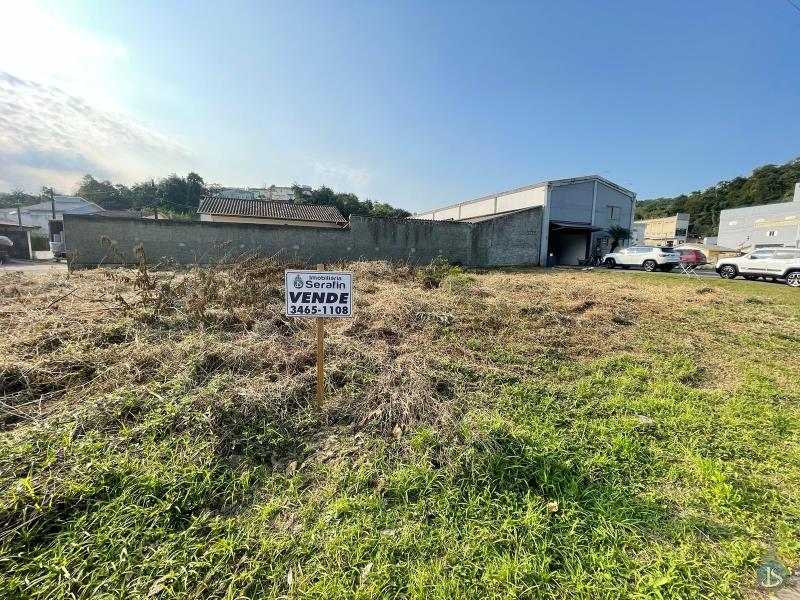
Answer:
(415, 103)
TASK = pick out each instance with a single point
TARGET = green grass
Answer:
(670, 480)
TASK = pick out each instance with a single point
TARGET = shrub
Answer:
(432, 275)
(39, 241)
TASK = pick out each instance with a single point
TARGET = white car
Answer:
(769, 263)
(649, 258)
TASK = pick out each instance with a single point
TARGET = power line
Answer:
(793, 5)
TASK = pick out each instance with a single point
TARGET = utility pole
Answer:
(19, 215)
(53, 210)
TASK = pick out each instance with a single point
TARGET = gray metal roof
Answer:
(9, 223)
(265, 209)
(74, 204)
(610, 184)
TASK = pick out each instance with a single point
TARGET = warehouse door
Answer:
(568, 245)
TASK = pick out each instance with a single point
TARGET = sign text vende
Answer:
(319, 294)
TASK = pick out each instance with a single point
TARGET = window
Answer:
(772, 233)
(787, 254)
(762, 254)
(613, 212)
(680, 232)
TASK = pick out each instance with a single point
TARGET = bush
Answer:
(39, 241)
(432, 275)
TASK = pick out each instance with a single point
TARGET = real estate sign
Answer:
(319, 294)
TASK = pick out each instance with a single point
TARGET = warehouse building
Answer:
(765, 226)
(576, 215)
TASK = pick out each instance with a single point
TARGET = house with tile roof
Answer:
(220, 209)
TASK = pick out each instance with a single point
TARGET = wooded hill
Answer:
(767, 185)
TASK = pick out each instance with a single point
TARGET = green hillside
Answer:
(767, 185)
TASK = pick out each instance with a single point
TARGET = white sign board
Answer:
(319, 294)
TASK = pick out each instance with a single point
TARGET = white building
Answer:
(38, 215)
(764, 226)
(274, 193)
(662, 231)
(576, 215)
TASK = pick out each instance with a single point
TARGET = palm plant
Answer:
(618, 233)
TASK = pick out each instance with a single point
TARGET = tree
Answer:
(618, 234)
(103, 193)
(766, 185)
(347, 203)
(172, 194)
(17, 197)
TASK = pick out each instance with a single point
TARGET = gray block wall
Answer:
(507, 240)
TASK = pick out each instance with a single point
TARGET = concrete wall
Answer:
(759, 226)
(511, 239)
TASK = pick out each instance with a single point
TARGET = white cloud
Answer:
(38, 45)
(342, 176)
(51, 137)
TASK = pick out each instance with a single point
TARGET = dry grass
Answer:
(443, 388)
(105, 328)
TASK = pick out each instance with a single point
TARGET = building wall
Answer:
(506, 240)
(21, 239)
(759, 226)
(572, 203)
(525, 198)
(581, 203)
(490, 205)
(260, 221)
(665, 230)
(637, 233)
(608, 196)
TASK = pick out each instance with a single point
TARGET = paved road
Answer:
(32, 266)
(703, 273)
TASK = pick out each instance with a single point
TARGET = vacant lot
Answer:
(528, 434)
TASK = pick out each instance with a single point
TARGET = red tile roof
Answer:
(237, 207)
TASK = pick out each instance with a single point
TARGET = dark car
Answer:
(5, 248)
(691, 256)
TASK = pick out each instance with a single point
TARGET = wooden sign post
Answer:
(323, 295)
(320, 355)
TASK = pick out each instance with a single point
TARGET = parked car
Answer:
(769, 263)
(5, 248)
(649, 258)
(691, 256)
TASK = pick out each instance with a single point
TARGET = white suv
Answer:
(769, 263)
(649, 258)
